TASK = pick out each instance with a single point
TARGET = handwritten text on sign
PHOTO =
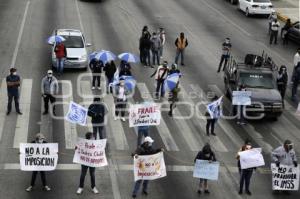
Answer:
(251, 158)
(144, 115)
(285, 177)
(206, 170)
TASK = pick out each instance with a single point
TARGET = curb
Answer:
(281, 17)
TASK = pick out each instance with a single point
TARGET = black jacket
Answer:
(125, 72)
(95, 66)
(282, 80)
(110, 70)
(145, 43)
(201, 156)
(143, 150)
(97, 112)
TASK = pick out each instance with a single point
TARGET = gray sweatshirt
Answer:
(49, 86)
(285, 158)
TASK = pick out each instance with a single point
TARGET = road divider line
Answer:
(79, 16)
(3, 102)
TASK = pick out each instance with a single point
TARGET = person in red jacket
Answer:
(61, 54)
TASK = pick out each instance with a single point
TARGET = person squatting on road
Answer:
(88, 136)
(145, 149)
(160, 76)
(245, 174)
(109, 69)
(284, 31)
(226, 50)
(13, 82)
(155, 48)
(211, 121)
(61, 54)
(97, 112)
(282, 79)
(173, 94)
(181, 43)
(121, 100)
(40, 139)
(49, 90)
(275, 25)
(205, 154)
(96, 68)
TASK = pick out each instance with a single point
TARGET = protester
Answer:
(109, 69)
(296, 80)
(145, 149)
(49, 90)
(97, 112)
(241, 109)
(160, 76)
(282, 79)
(121, 100)
(173, 95)
(125, 70)
(146, 32)
(96, 68)
(245, 174)
(274, 31)
(297, 57)
(284, 31)
(211, 121)
(145, 46)
(181, 43)
(13, 82)
(205, 154)
(155, 48)
(271, 18)
(39, 139)
(162, 36)
(285, 155)
(226, 50)
(142, 131)
(88, 136)
(60, 53)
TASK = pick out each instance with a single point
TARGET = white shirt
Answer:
(122, 93)
(275, 26)
(296, 59)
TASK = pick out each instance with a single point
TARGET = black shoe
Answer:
(145, 192)
(199, 191)
(240, 192)
(213, 134)
(206, 191)
(8, 112)
(249, 193)
(170, 114)
(19, 112)
(45, 112)
(133, 195)
(182, 64)
(218, 71)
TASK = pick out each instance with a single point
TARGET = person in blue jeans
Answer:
(142, 131)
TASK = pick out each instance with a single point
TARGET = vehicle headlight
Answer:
(83, 57)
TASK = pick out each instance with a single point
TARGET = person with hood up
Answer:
(49, 90)
(282, 79)
(155, 48)
(205, 154)
(125, 70)
(109, 69)
(160, 75)
(285, 155)
(97, 112)
(96, 68)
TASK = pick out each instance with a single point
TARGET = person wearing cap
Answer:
(282, 79)
(61, 54)
(84, 169)
(49, 90)
(226, 50)
(205, 154)
(173, 95)
(145, 149)
(285, 155)
(13, 82)
(121, 100)
(181, 43)
(245, 174)
(160, 75)
(39, 139)
(96, 68)
(162, 36)
(97, 112)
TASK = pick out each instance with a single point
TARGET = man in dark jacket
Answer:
(110, 69)
(296, 80)
(205, 154)
(145, 46)
(97, 111)
(282, 80)
(144, 149)
(226, 50)
(13, 82)
(96, 68)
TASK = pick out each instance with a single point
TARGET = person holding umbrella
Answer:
(97, 112)
(60, 53)
(109, 69)
(96, 68)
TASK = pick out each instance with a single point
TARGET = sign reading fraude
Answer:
(144, 115)
(149, 167)
(38, 157)
(285, 177)
(90, 152)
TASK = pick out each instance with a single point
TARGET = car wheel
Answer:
(247, 12)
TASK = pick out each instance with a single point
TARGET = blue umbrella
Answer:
(105, 56)
(130, 82)
(171, 81)
(55, 39)
(129, 57)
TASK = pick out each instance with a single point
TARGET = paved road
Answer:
(116, 25)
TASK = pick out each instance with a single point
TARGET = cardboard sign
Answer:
(144, 115)
(251, 158)
(241, 98)
(206, 170)
(285, 177)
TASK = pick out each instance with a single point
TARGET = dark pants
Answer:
(245, 178)
(160, 86)
(108, 81)
(223, 58)
(48, 98)
(285, 40)
(273, 36)
(241, 110)
(147, 57)
(155, 56)
(83, 174)
(179, 52)
(210, 124)
(96, 78)
(43, 177)
(282, 89)
(138, 184)
(12, 97)
(120, 107)
(98, 129)
(294, 88)
(141, 133)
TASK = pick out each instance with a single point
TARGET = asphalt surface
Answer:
(116, 25)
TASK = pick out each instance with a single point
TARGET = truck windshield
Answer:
(257, 80)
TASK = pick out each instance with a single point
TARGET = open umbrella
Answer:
(105, 56)
(129, 81)
(171, 81)
(55, 39)
(129, 57)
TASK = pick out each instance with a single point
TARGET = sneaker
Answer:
(93, 87)
(116, 117)
(8, 112)
(123, 119)
(206, 191)
(213, 134)
(29, 189)
(47, 188)
(19, 112)
(145, 192)
(95, 190)
(133, 195)
(249, 193)
(79, 191)
(99, 88)
(240, 192)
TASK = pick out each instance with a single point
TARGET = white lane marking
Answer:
(13, 61)
(163, 130)
(21, 131)
(79, 16)
(3, 102)
(114, 180)
(70, 129)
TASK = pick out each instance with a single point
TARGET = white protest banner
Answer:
(144, 115)
(241, 98)
(38, 157)
(149, 167)
(285, 177)
(251, 158)
(77, 114)
(214, 108)
(206, 170)
(90, 152)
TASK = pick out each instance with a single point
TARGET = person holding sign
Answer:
(39, 138)
(97, 111)
(285, 155)
(241, 108)
(88, 136)
(205, 154)
(144, 149)
(212, 118)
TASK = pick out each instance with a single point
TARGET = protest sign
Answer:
(77, 114)
(206, 170)
(38, 157)
(149, 167)
(144, 115)
(90, 152)
(241, 98)
(285, 177)
(214, 108)
(251, 158)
